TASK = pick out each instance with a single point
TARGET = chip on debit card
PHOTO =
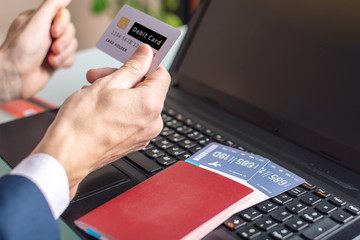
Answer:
(130, 28)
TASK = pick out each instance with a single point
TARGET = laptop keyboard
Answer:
(178, 140)
(304, 212)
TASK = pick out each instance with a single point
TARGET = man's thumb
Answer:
(131, 73)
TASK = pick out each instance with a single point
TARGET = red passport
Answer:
(183, 201)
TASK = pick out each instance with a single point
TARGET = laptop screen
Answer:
(292, 67)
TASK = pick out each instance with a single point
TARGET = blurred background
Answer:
(91, 17)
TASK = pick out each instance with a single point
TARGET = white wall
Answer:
(10, 9)
(89, 27)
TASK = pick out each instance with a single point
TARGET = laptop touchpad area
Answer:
(100, 180)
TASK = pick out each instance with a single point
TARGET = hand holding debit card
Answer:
(130, 28)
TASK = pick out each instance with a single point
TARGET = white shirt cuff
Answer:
(50, 177)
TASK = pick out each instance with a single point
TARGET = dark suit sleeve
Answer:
(24, 211)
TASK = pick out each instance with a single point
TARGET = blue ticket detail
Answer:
(273, 179)
(229, 160)
(264, 175)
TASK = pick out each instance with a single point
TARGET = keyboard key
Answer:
(296, 237)
(297, 192)
(250, 214)
(267, 206)
(249, 232)
(164, 144)
(195, 136)
(166, 131)
(183, 156)
(281, 233)
(166, 160)
(144, 162)
(320, 229)
(187, 144)
(219, 138)
(195, 149)
(188, 122)
(175, 151)
(312, 216)
(229, 143)
(282, 199)
(154, 153)
(173, 123)
(322, 193)
(184, 129)
(176, 137)
(165, 117)
(205, 141)
(234, 222)
(198, 127)
(337, 201)
(240, 148)
(311, 199)
(157, 138)
(326, 207)
(208, 132)
(341, 216)
(148, 147)
(179, 117)
(353, 210)
(296, 207)
(281, 215)
(297, 224)
(308, 186)
(265, 224)
(170, 112)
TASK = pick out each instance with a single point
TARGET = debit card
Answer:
(131, 28)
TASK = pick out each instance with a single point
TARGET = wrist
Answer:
(10, 80)
(60, 142)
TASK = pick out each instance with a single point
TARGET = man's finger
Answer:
(48, 10)
(64, 41)
(60, 22)
(131, 73)
(158, 81)
(94, 74)
(65, 57)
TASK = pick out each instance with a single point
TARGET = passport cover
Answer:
(24, 108)
(183, 201)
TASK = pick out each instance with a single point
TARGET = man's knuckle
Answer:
(158, 127)
(154, 129)
(152, 107)
(133, 67)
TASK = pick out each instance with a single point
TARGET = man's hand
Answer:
(38, 42)
(118, 114)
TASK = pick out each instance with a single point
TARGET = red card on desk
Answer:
(183, 201)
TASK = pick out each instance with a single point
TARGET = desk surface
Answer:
(66, 81)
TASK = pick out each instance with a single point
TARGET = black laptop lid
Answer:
(292, 67)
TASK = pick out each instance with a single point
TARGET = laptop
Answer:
(276, 78)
